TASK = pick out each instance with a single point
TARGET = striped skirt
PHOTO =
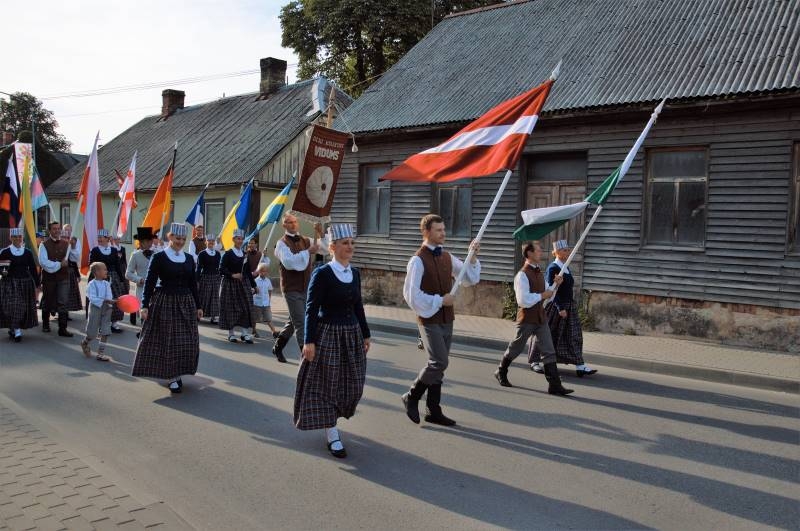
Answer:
(331, 386)
(74, 302)
(18, 303)
(567, 336)
(119, 287)
(235, 297)
(208, 292)
(169, 345)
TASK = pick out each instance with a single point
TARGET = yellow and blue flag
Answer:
(237, 217)
(273, 212)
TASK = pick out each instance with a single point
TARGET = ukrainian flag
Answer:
(237, 217)
(273, 212)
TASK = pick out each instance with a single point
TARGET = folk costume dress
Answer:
(74, 302)
(18, 289)
(331, 386)
(235, 295)
(116, 274)
(170, 344)
(565, 331)
(208, 281)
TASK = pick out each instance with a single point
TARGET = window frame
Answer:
(793, 223)
(61, 208)
(648, 203)
(458, 185)
(362, 198)
(206, 203)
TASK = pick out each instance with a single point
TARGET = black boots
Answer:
(411, 400)
(554, 382)
(502, 373)
(45, 320)
(277, 348)
(62, 325)
(434, 413)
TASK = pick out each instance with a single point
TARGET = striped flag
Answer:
(273, 212)
(237, 217)
(127, 198)
(195, 215)
(491, 143)
(10, 198)
(90, 206)
(26, 203)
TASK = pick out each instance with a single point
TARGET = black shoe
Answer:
(279, 355)
(502, 377)
(180, 383)
(63, 332)
(277, 348)
(433, 413)
(174, 389)
(138, 335)
(440, 419)
(17, 339)
(554, 386)
(69, 318)
(411, 400)
(586, 371)
(10, 334)
(116, 330)
(337, 453)
(46, 328)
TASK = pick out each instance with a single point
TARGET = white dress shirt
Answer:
(44, 261)
(522, 290)
(298, 261)
(425, 304)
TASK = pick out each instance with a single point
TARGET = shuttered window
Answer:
(794, 208)
(453, 202)
(677, 187)
(373, 212)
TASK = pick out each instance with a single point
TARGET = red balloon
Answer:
(128, 303)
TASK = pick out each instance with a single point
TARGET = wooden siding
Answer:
(745, 256)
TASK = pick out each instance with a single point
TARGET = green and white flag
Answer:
(539, 222)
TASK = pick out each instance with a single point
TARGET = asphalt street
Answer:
(628, 450)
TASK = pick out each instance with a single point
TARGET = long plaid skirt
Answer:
(74, 303)
(169, 345)
(208, 291)
(18, 303)
(567, 336)
(331, 386)
(234, 300)
(119, 286)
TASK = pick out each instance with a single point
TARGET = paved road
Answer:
(630, 450)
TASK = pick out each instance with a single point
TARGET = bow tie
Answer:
(534, 267)
(295, 238)
(437, 251)
(147, 253)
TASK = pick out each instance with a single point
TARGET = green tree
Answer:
(353, 42)
(17, 114)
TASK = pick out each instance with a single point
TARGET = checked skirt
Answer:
(169, 345)
(208, 292)
(235, 297)
(18, 303)
(567, 336)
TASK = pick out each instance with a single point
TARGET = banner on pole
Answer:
(320, 174)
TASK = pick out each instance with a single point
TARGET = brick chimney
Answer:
(8, 138)
(273, 76)
(171, 101)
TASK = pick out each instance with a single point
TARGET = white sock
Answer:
(333, 435)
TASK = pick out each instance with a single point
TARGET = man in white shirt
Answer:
(429, 280)
(54, 261)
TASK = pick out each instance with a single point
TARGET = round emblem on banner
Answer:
(319, 185)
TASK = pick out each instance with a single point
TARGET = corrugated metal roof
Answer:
(615, 52)
(221, 142)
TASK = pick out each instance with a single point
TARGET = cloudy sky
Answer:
(64, 48)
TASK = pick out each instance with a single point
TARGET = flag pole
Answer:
(269, 236)
(490, 213)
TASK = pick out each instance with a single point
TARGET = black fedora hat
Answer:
(143, 233)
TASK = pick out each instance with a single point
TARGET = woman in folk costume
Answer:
(19, 287)
(236, 293)
(74, 303)
(331, 377)
(208, 278)
(562, 316)
(170, 344)
(107, 254)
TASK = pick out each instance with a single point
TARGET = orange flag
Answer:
(159, 211)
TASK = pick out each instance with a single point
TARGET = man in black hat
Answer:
(140, 260)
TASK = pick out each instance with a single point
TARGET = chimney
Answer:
(171, 101)
(273, 76)
(8, 138)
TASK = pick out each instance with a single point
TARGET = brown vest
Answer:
(534, 314)
(437, 279)
(296, 280)
(199, 244)
(56, 252)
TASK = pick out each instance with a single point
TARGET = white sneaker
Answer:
(537, 367)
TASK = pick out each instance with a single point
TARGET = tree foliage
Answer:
(353, 42)
(16, 115)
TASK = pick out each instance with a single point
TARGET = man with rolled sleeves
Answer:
(530, 292)
(54, 261)
(429, 280)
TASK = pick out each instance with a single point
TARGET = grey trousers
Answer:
(296, 302)
(437, 339)
(523, 332)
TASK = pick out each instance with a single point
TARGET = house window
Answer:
(65, 214)
(42, 218)
(677, 188)
(453, 202)
(374, 208)
(794, 206)
(214, 216)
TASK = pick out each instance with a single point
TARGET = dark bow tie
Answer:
(437, 251)
(534, 267)
(295, 238)
(148, 253)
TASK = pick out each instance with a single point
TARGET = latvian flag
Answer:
(492, 143)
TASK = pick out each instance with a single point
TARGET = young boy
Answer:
(100, 303)
(261, 300)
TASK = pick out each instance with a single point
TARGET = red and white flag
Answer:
(127, 198)
(492, 143)
(90, 206)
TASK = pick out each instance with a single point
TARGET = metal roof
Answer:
(615, 52)
(226, 141)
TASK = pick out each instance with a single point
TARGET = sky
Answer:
(63, 48)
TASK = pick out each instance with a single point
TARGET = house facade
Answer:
(700, 239)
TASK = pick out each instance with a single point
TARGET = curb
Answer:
(757, 381)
